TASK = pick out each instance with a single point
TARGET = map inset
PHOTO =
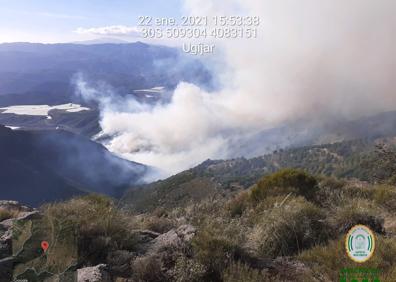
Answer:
(32, 263)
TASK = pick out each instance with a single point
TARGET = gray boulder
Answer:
(174, 238)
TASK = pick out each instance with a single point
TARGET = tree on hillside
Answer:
(383, 164)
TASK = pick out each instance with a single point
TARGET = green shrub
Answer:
(385, 196)
(358, 211)
(189, 270)
(356, 190)
(239, 272)
(285, 181)
(330, 192)
(238, 204)
(214, 253)
(158, 224)
(148, 269)
(97, 224)
(331, 183)
(333, 192)
(289, 229)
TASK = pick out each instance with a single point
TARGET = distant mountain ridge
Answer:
(347, 159)
(32, 73)
(308, 133)
(103, 40)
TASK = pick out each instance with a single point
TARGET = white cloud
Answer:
(115, 30)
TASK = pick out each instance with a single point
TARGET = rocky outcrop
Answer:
(175, 238)
(93, 274)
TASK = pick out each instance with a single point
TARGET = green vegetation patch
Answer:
(285, 181)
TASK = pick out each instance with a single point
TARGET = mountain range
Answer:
(43, 73)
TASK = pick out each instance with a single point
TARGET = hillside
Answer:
(350, 153)
(348, 159)
(289, 227)
(223, 221)
(42, 166)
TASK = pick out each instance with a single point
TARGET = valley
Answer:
(254, 177)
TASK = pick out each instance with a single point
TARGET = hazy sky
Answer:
(59, 20)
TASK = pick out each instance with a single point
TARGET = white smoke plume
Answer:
(313, 59)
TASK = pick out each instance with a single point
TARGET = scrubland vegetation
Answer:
(289, 225)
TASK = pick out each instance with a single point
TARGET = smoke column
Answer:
(313, 60)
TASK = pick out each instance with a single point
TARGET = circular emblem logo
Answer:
(360, 243)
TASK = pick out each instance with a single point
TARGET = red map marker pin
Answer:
(44, 245)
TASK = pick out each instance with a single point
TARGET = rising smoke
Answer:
(313, 60)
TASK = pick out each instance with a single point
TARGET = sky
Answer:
(50, 21)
